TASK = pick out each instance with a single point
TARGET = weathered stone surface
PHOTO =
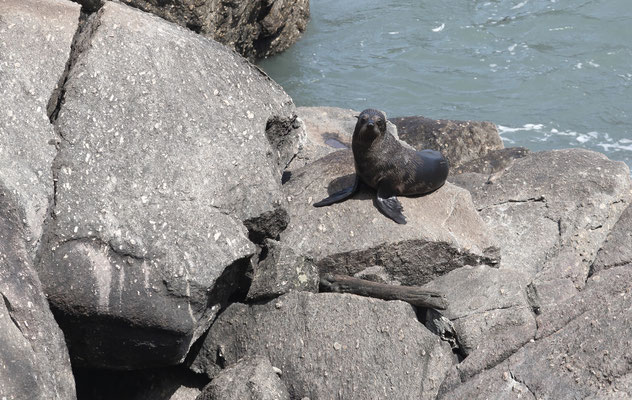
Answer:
(492, 321)
(617, 249)
(551, 211)
(248, 379)
(458, 141)
(34, 361)
(171, 383)
(253, 28)
(492, 162)
(444, 231)
(282, 271)
(163, 172)
(332, 344)
(35, 38)
(582, 349)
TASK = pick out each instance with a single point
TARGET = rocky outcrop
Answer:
(444, 230)
(148, 237)
(458, 141)
(255, 29)
(248, 379)
(616, 250)
(377, 349)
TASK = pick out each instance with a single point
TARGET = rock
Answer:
(616, 250)
(281, 271)
(164, 172)
(171, 383)
(35, 38)
(551, 212)
(247, 379)
(444, 231)
(255, 29)
(327, 129)
(493, 162)
(458, 141)
(582, 349)
(34, 362)
(492, 321)
(326, 344)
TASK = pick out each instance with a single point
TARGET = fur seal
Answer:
(384, 164)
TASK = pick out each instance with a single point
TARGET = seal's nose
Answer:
(370, 123)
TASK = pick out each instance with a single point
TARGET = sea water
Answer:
(550, 73)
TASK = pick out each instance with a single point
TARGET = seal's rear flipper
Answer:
(392, 208)
(339, 196)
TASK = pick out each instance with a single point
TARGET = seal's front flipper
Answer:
(339, 196)
(391, 207)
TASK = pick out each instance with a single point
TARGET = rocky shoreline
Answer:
(159, 239)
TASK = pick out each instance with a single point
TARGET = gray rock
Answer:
(35, 38)
(444, 231)
(163, 173)
(253, 28)
(616, 250)
(458, 141)
(493, 162)
(492, 321)
(34, 362)
(332, 344)
(582, 349)
(551, 211)
(282, 271)
(248, 379)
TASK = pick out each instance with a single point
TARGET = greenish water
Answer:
(551, 73)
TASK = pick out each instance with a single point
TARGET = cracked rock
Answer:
(164, 172)
(35, 38)
(616, 250)
(444, 231)
(34, 362)
(378, 349)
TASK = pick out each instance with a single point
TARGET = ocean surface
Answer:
(550, 73)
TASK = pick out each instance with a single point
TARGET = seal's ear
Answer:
(357, 116)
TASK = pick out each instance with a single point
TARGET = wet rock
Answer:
(551, 212)
(458, 141)
(444, 231)
(282, 271)
(35, 38)
(34, 361)
(255, 29)
(330, 343)
(248, 379)
(582, 348)
(616, 250)
(164, 172)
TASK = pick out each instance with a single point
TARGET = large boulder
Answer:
(255, 29)
(248, 379)
(582, 349)
(34, 362)
(35, 39)
(616, 250)
(164, 172)
(444, 231)
(332, 344)
(551, 212)
(459, 141)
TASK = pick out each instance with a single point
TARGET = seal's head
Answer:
(370, 126)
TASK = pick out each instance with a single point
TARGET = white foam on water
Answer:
(519, 5)
(439, 28)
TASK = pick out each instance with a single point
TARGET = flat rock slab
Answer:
(248, 379)
(35, 38)
(164, 172)
(34, 362)
(332, 344)
(253, 28)
(582, 349)
(444, 231)
(459, 141)
(551, 212)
